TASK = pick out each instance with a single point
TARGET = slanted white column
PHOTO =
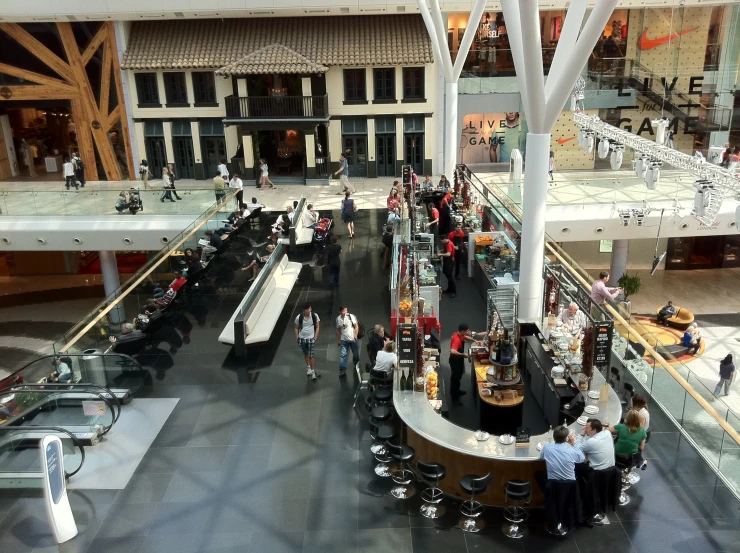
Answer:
(452, 133)
(111, 283)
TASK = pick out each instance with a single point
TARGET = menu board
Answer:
(602, 343)
(407, 346)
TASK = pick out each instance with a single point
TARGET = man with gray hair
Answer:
(573, 319)
(128, 334)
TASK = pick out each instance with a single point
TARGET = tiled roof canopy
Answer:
(325, 41)
(273, 58)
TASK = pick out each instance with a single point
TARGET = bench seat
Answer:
(303, 235)
(681, 320)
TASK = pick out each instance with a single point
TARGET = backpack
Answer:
(299, 319)
(79, 164)
(360, 326)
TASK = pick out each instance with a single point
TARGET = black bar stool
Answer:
(384, 433)
(625, 464)
(378, 415)
(433, 495)
(380, 379)
(383, 396)
(470, 509)
(403, 476)
(516, 491)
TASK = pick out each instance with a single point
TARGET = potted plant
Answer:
(630, 284)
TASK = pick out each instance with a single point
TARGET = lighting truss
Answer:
(725, 183)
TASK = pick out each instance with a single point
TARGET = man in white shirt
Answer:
(236, 184)
(347, 330)
(307, 326)
(251, 206)
(223, 170)
(68, 169)
(311, 217)
(597, 444)
(386, 360)
(573, 319)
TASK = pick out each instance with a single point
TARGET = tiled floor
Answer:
(256, 458)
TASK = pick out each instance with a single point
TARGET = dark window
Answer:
(354, 85)
(204, 88)
(146, 89)
(385, 84)
(175, 88)
(413, 83)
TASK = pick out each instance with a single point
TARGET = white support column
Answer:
(248, 151)
(534, 207)
(111, 283)
(451, 131)
(618, 266)
(231, 136)
(306, 86)
(310, 138)
(139, 144)
(169, 150)
(189, 87)
(241, 87)
(197, 154)
(119, 30)
(399, 140)
(371, 147)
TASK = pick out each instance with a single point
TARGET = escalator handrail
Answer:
(75, 440)
(106, 429)
(66, 354)
(70, 386)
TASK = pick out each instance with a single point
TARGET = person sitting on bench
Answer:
(128, 334)
(258, 261)
(62, 372)
(666, 313)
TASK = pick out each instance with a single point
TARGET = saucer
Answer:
(582, 420)
(591, 409)
(506, 439)
(594, 394)
(481, 436)
(540, 445)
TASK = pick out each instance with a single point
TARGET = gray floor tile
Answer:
(187, 485)
(334, 513)
(397, 540)
(128, 520)
(284, 541)
(177, 519)
(330, 541)
(131, 544)
(145, 488)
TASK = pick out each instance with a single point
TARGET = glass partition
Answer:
(19, 454)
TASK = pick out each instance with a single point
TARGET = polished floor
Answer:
(256, 458)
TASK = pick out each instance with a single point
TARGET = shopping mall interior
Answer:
(334, 279)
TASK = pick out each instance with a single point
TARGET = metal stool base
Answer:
(383, 470)
(471, 524)
(378, 447)
(624, 499)
(431, 510)
(403, 492)
(633, 478)
(514, 530)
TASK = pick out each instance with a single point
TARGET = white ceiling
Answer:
(142, 10)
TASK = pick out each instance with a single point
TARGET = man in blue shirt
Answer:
(344, 177)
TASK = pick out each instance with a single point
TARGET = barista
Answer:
(572, 319)
(458, 357)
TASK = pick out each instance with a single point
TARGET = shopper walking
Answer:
(344, 177)
(236, 184)
(264, 174)
(332, 260)
(448, 265)
(224, 170)
(79, 168)
(219, 187)
(726, 375)
(168, 182)
(551, 166)
(68, 170)
(307, 326)
(347, 330)
(173, 178)
(145, 173)
(348, 213)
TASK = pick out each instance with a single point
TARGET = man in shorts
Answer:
(307, 325)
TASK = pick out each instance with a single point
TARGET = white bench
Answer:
(299, 233)
(255, 324)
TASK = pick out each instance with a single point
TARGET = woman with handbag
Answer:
(167, 180)
(348, 213)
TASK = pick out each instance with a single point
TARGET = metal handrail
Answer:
(35, 429)
(72, 386)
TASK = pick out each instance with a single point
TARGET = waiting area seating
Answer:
(257, 314)
(299, 234)
(681, 320)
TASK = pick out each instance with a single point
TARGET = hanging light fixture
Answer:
(624, 216)
(589, 142)
(603, 149)
(617, 155)
(702, 196)
(652, 173)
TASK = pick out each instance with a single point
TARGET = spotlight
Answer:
(639, 165)
(603, 148)
(589, 142)
(624, 215)
(639, 217)
(582, 137)
(702, 197)
(652, 174)
(617, 155)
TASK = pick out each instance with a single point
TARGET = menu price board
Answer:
(406, 346)
(602, 343)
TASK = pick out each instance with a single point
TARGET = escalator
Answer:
(86, 411)
(20, 455)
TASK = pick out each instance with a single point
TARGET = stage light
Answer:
(639, 164)
(589, 142)
(624, 216)
(701, 197)
(652, 174)
(582, 137)
(603, 148)
(639, 217)
(617, 155)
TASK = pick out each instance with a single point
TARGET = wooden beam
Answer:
(88, 104)
(121, 100)
(38, 92)
(22, 37)
(95, 43)
(105, 80)
(84, 139)
(114, 117)
(31, 76)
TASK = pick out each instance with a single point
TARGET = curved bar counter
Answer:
(437, 440)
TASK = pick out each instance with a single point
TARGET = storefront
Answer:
(703, 252)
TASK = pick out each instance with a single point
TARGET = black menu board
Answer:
(522, 435)
(602, 343)
(407, 346)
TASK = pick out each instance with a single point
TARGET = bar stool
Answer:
(378, 416)
(383, 396)
(516, 491)
(625, 464)
(380, 379)
(470, 509)
(385, 433)
(403, 477)
(432, 496)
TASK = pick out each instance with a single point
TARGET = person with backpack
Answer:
(348, 213)
(68, 170)
(79, 166)
(307, 326)
(348, 329)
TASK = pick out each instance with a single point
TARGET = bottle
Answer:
(402, 381)
(494, 350)
(506, 349)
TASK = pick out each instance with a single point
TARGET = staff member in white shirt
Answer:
(236, 184)
(69, 174)
(223, 170)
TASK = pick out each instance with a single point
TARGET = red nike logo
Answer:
(645, 43)
(562, 141)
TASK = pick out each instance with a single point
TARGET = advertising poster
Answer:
(489, 138)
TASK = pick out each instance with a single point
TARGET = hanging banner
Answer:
(491, 137)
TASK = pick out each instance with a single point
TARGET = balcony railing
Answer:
(277, 107)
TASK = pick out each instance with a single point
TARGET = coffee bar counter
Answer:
(437, 440)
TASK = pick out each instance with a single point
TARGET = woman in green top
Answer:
(630, 436)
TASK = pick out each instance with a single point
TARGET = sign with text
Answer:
(491, 137)
(602, 343)
(55, 490)
(406, 346)
(94, 408)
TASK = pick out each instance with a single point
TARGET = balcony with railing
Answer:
(277, 107)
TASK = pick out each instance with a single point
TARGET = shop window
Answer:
(204, 88)
(354, 125)
(413, 123)
(181, 127)
(175, 89)
(147, 90)
(354, 85)
(413, 84)
(384, 81)
(385, 125)
(153, 127)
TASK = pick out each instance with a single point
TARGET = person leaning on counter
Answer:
(458, 357)
(573, 319)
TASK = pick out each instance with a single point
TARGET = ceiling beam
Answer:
(97, 40)
(30, 75)
(37, 92)
(24, 38)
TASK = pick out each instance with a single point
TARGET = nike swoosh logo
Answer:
(562, 141)
(645, 43)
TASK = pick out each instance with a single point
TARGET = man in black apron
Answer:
(457, 360)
